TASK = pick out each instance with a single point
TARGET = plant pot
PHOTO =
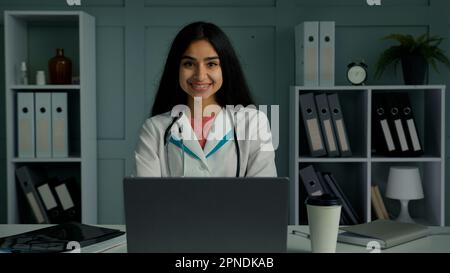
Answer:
(414, 69)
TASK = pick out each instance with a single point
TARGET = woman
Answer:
(203, 122)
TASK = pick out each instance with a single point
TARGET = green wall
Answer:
(133, 37)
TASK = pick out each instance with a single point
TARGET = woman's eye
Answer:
(213, 64)
(188, 64)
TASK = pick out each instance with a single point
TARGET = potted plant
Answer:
(414, 54)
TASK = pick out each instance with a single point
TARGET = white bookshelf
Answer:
(33, 36)
(357, 173)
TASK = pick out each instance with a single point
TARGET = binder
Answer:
(51, 203)
(312, 126)
(327, 125)
(28, 179)
(383, 141)
(395, 120)
(68, 195)
(25, 125)
(327, 190)
(59, 125)
(339, 124)
(326, 53)
(307, 54)
(43, 124)
(407, 116)
(347, 208)
(311, 181)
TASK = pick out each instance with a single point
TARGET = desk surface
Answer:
(295, 243)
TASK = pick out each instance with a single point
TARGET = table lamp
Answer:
(404, 184)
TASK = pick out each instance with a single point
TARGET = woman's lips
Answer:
(200, 86)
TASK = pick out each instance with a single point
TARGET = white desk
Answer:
(295, 243)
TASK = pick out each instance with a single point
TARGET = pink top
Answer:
(203, 130)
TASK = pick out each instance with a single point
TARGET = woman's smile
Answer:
(200, 86)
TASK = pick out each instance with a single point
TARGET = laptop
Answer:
(206, 215)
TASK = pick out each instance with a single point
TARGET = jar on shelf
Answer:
(60, 68)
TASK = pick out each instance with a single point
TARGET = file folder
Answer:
(59, 125)
(382, 138)
(51, 203)
(307, 54)
(398, 130)
(327, 125)
(327, 190)
(347, 207)
(326, 53)
(25, 125)
(43, 115)
(408, 120)
(311, 181)
(339, 125)
(312, 126)
(28, 179)
(68, 194)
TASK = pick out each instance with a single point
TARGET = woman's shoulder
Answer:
(158, 121)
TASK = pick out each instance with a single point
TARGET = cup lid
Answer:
(323, 200)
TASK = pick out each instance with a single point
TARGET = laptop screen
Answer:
(214, 215)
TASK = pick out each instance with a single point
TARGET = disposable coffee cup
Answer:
(324, 213)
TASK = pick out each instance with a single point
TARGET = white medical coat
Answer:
(154, 158)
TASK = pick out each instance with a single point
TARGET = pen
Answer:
(301, 233)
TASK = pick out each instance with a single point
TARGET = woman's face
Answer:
(200, 71)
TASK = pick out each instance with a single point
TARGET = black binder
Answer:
(383, 142)
(409, 124)
(68, 194)
(339, 125)
(312, 125)
(311, 181)
(57, 238)
(398, 131)
(347, 208)
(326, 123)
(28, 178)
(50, 200)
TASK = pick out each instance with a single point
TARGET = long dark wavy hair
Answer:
(234, 89)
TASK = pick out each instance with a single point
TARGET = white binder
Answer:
(307, 54)
(25, 124)
(326, 53)
(59, 125)
(43, 110)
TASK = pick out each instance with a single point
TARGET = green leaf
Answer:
(425, 45)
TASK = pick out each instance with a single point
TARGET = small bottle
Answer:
(60, 68)
(23, 73)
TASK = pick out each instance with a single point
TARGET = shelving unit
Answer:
(33, 36)
(357, 173)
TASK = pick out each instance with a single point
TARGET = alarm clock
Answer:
(357, 73)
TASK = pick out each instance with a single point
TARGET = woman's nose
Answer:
(201, 73)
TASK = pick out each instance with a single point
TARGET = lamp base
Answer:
(404, 213)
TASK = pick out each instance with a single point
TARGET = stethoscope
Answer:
(180, 130)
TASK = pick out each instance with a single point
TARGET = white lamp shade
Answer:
(404, 183)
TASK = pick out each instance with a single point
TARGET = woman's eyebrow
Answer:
(205, 59)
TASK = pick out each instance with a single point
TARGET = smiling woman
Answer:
(203, 76)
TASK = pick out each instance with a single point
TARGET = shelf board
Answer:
(331, 159)
(47, 86)
(406, 159)
(52, 160)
